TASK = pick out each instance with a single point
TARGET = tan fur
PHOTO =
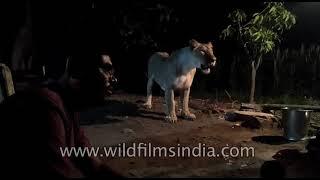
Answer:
(176, 72)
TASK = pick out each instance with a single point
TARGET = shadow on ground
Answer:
(271, 140)
(115, 111)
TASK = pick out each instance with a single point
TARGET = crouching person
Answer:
(41, 122)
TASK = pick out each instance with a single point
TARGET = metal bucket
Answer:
(295, 123)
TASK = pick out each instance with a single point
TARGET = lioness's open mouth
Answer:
(205, 69)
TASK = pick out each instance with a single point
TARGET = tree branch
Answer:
(259, 62)
(250, 21)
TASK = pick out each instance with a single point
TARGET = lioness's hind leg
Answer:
(180, 103)
(148, 103)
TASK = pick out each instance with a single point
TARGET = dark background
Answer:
(84, 28)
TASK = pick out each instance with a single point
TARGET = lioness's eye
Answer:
(203, 53)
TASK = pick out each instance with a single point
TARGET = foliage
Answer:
(262, 31)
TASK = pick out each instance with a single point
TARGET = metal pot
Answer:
(295, 123)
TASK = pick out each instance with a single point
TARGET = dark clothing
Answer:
(37, 123)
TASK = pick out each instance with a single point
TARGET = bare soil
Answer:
(124, 120)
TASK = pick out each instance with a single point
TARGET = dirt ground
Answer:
(124, 120)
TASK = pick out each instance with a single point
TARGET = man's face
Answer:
(96, 85)
(106, 72)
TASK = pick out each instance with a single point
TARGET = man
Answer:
(42, 119)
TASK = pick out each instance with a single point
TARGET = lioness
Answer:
(175, 72)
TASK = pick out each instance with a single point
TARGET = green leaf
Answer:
(272, 10)
(293, 19)
(283, 15)
(257, 36)
(227, 32)
(261, 19)
(287, 17)
(256, 19)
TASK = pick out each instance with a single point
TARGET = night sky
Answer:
(307, 28)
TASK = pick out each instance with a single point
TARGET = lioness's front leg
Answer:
(170, 112)
(185, 107)
(148, 103)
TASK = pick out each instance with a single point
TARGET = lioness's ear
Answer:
(210, 44)
(193, 43)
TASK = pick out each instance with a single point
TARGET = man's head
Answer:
(93, 85)
(205, 52)
(106, 72)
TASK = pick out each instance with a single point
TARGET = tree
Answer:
(259, 34)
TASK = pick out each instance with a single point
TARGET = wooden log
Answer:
(294, 106)
(253, 120)
(250, 107)
(255, 114)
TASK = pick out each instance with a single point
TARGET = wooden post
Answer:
(6, 81)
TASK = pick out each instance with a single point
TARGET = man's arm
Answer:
(96, 166)
(59, 164)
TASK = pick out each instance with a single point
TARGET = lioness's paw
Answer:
(188, 115)
(147, 106)
(172, 119)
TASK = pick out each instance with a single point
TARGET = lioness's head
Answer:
(205, 52)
